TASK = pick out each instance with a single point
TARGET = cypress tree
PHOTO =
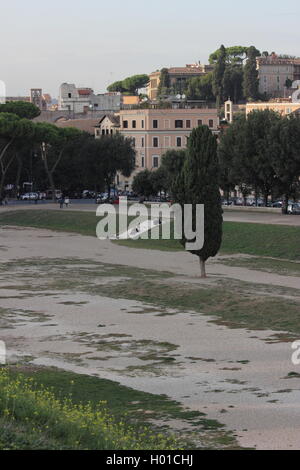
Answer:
(201, 186)
(250, 83)
(164, 83)
(218, 76)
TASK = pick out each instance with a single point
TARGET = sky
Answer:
(95, 42)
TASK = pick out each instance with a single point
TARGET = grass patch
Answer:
(236, 309)
(136, 410)
(33, 416)
(276, 241)
(234, 304)
(269, 265)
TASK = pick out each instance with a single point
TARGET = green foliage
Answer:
(21, 109)
(218, 76)
(116, 87)
(159, 180)
(261, 153)
(130, 84)
(105, 157)
(164, 83)
(231, 78)
(200, 88)
(233, 83)
(244, 154)
(201, 186)
(251, 82)
(234, 55)
(15, 133)
(172, 162)
(288, 83)
(285, 154)
(142, 183)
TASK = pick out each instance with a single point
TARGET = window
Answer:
(167, 123)
(133, 124)
(211, 123)
(178, 124)
(125, 124)
(155, 161)
(155, 124)
(143, 142)
(107, 131)
(143, 123)
(199, 122)
(143, 162)
(133, 142)
(155, 141)
(103, 131)
(188, 124)
(178, 142)
(167, 142)
(69, 95)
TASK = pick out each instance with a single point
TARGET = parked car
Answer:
(57, 194)
(277, 204)
(101, 198)
(294, 209)
(29, 197)
(87, 194)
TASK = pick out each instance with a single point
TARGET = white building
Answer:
(81, 100)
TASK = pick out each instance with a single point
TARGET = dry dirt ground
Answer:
(54, 311)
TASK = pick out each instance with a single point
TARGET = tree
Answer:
(233, 82)
(250, 83)
(130, 84)
(201, 186)
(14, 133)
(218, 76)
(21, 108)
(164, 83)
(234, 55)
(53, 142)
(159, 180)
(245, 152)
(142, 183)
(285, 147)
(173, 161)
(107, 156)
(226, 148)
(200, 88)
(116, 87)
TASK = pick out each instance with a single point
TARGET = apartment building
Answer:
(274, 71)
(154, 131)
(178, 77)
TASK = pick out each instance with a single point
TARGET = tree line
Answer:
(234, 76)
(257, 155)
(54, 157)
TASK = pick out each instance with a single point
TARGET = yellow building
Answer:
(178, 77)
(282, 107)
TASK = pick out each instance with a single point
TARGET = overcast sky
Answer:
(95, 42)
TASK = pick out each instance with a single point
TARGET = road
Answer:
(229, 216)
